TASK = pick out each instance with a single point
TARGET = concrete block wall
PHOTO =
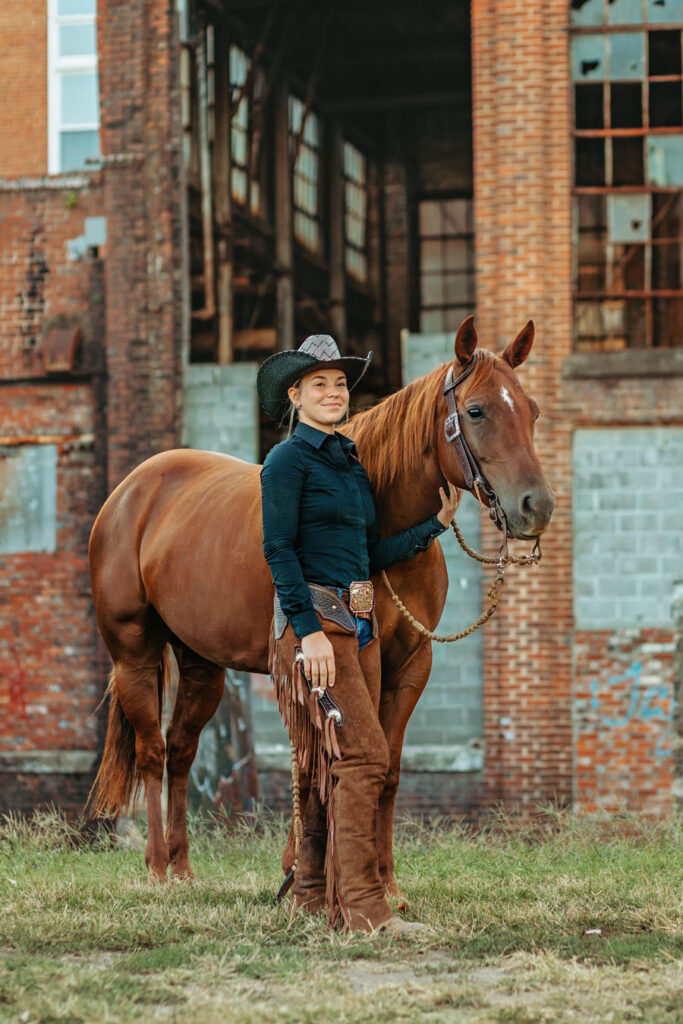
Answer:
(450, 711)
(220, 409)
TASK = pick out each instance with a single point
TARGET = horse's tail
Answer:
(118, 778)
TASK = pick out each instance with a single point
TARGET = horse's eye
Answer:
(475, 413)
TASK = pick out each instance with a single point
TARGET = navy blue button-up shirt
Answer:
(320, 524)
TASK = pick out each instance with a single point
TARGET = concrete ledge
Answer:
(47, 762)
(428, 758)
(650, 362)
(51, 182)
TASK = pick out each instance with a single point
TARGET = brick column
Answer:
(522, 183)
(138, 57)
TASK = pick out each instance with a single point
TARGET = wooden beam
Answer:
(358, 104)
(222, 194)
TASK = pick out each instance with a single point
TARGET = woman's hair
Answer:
(292, 408)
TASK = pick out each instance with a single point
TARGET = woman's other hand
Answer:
(449, 504)
(318, 659)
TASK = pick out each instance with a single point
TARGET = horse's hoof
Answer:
(155, 876)
(183, 874)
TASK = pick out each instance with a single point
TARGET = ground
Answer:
(566, 921)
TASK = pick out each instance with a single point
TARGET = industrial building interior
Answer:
(327, 151)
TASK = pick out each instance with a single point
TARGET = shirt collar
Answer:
(317, 438)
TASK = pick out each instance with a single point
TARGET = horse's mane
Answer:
(394, 436)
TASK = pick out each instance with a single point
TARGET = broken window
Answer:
(355, 212)
(74, 105)
(304, 127)
(627, 73)
(446, 239)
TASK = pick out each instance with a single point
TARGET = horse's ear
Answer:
(465, 341)
(517, 351)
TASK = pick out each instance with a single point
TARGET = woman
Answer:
(322, 544)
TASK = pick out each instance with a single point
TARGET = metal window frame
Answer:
(308, 147)
(647, 294)
(57, 68)
(468, 237)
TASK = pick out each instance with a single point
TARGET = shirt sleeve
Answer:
(282, 480)
(388, 550)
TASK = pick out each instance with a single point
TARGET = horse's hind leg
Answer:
(137, 652)
(200, 689)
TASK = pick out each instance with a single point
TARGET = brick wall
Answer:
(23, 111)
(536, 658)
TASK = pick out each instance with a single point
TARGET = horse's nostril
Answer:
(527, 504)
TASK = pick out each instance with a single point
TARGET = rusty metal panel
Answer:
(61, 349)
(28, 498)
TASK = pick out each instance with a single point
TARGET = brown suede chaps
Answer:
(341, 781)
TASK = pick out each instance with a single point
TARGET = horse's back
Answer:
(183, 533)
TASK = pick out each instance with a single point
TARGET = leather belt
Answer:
(328, 605)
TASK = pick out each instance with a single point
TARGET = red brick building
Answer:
(185, 188)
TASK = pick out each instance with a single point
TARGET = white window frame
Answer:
(57, 68)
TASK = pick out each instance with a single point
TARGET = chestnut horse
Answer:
(176, 559)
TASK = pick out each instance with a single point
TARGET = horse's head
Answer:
(497, 419)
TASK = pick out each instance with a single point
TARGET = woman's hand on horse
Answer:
(318, 659)
(449, 504)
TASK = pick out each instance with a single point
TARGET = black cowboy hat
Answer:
(280, 371)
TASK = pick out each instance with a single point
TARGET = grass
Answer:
(84, 937)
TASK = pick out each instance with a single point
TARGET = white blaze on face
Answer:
(505, 395)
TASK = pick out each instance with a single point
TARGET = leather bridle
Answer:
(472, 474)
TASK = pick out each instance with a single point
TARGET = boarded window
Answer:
(28, 488)
(627, 72)
(446, 238)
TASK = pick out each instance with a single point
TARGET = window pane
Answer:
(238, 180)
(430, 256)
(626, 105)
(459, 289)
(588, 57)
(627, 161)
(430, 218)
(665, 11)
(592, 259)
(239, 146)
(77, 40)
(667, 323)
(590, 162)
(625, 12)
(432, 321)
(457, 215)
(665, 160)
(432, 289)
(627, 55)
(628, 217)
(628, 271)
(592, 212)
(457, 252)
(666, 267)
(666, 110)
(665, 53)
(667, 215)
(65, 8)
(588, 12)
(588, 106)
(74, 147)
(80, 103)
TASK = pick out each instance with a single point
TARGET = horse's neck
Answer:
(410, 499)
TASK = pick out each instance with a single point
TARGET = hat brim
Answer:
(277, 374)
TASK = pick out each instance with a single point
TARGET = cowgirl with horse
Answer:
(177, 562)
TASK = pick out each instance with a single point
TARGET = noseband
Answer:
(473, 476)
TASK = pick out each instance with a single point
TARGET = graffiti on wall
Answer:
(649, 704)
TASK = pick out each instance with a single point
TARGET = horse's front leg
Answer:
(400, 694)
